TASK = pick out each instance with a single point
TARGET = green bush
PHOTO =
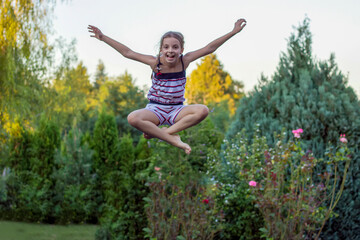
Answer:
(180, 172)
(186, 212)
(76, 200)
(31, 163)
(312, 95)
(119, 165)
(242, 220)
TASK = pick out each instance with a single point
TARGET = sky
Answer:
(139, 24)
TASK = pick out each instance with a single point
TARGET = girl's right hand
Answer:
(97, 33)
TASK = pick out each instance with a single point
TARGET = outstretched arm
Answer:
(212, 46)
(121, 48)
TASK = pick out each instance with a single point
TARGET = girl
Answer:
(166, 95)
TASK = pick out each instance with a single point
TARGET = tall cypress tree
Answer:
(312, 95)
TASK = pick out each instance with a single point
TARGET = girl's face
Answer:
(171, 49)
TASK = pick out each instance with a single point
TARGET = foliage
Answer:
(106, 143)
(47, 140)
(242, 220)
(293, 199)
(209, 83)
(175, 212)
(24, 54)
(29, 184)
(118, 166)
(123, 97)
(72, 88)
(314, 95)
(294, 202)
(76, 200)
(182, 172)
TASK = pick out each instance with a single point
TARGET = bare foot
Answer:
(175, 142)
(182, 145)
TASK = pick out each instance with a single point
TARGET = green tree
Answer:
(24, 54)
(123, 188)
(31, 162)
(122, 96)
(312, 95)
(100, 75)
(106, 143)
(75, 198)
(72, 90)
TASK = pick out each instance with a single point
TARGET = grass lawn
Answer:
(29, 231)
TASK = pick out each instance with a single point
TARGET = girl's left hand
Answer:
(239, 25)
(97, 33)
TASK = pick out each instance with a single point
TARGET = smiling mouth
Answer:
(170, 56)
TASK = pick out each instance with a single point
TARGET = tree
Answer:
(312, 95)
(122, 96)
(24, 54)
(209, 83)
(100, 75)
(72, 90)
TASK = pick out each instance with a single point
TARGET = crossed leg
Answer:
(147, 122)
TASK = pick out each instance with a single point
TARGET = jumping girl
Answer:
(166, 95)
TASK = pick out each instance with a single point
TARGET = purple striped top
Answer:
(168, 88)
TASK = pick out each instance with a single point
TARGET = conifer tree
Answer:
(312, 95)
(100, 75)
(106, 143)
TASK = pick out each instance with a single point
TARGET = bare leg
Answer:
(188, 117)
(146, 121)
(150, 137)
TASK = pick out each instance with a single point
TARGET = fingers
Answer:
(93, 29)
(240, 24)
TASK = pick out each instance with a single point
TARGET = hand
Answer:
(97, 33)
(239, 25)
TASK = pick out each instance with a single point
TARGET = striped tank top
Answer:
(168, 88)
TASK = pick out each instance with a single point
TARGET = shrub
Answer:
(76, 200)
(294, 200)
(312, 94)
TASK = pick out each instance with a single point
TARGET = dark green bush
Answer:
(119, 165)
(312, 95)
(76, 200)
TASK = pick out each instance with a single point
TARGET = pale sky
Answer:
(139, 24)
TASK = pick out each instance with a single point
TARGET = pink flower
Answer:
(157, 169)
(252, 183)
(297, 132)
(343, 139)
(206, 201)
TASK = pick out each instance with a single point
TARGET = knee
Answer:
(132, 119)
(204, 112)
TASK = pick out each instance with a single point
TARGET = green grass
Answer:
(28, 231)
